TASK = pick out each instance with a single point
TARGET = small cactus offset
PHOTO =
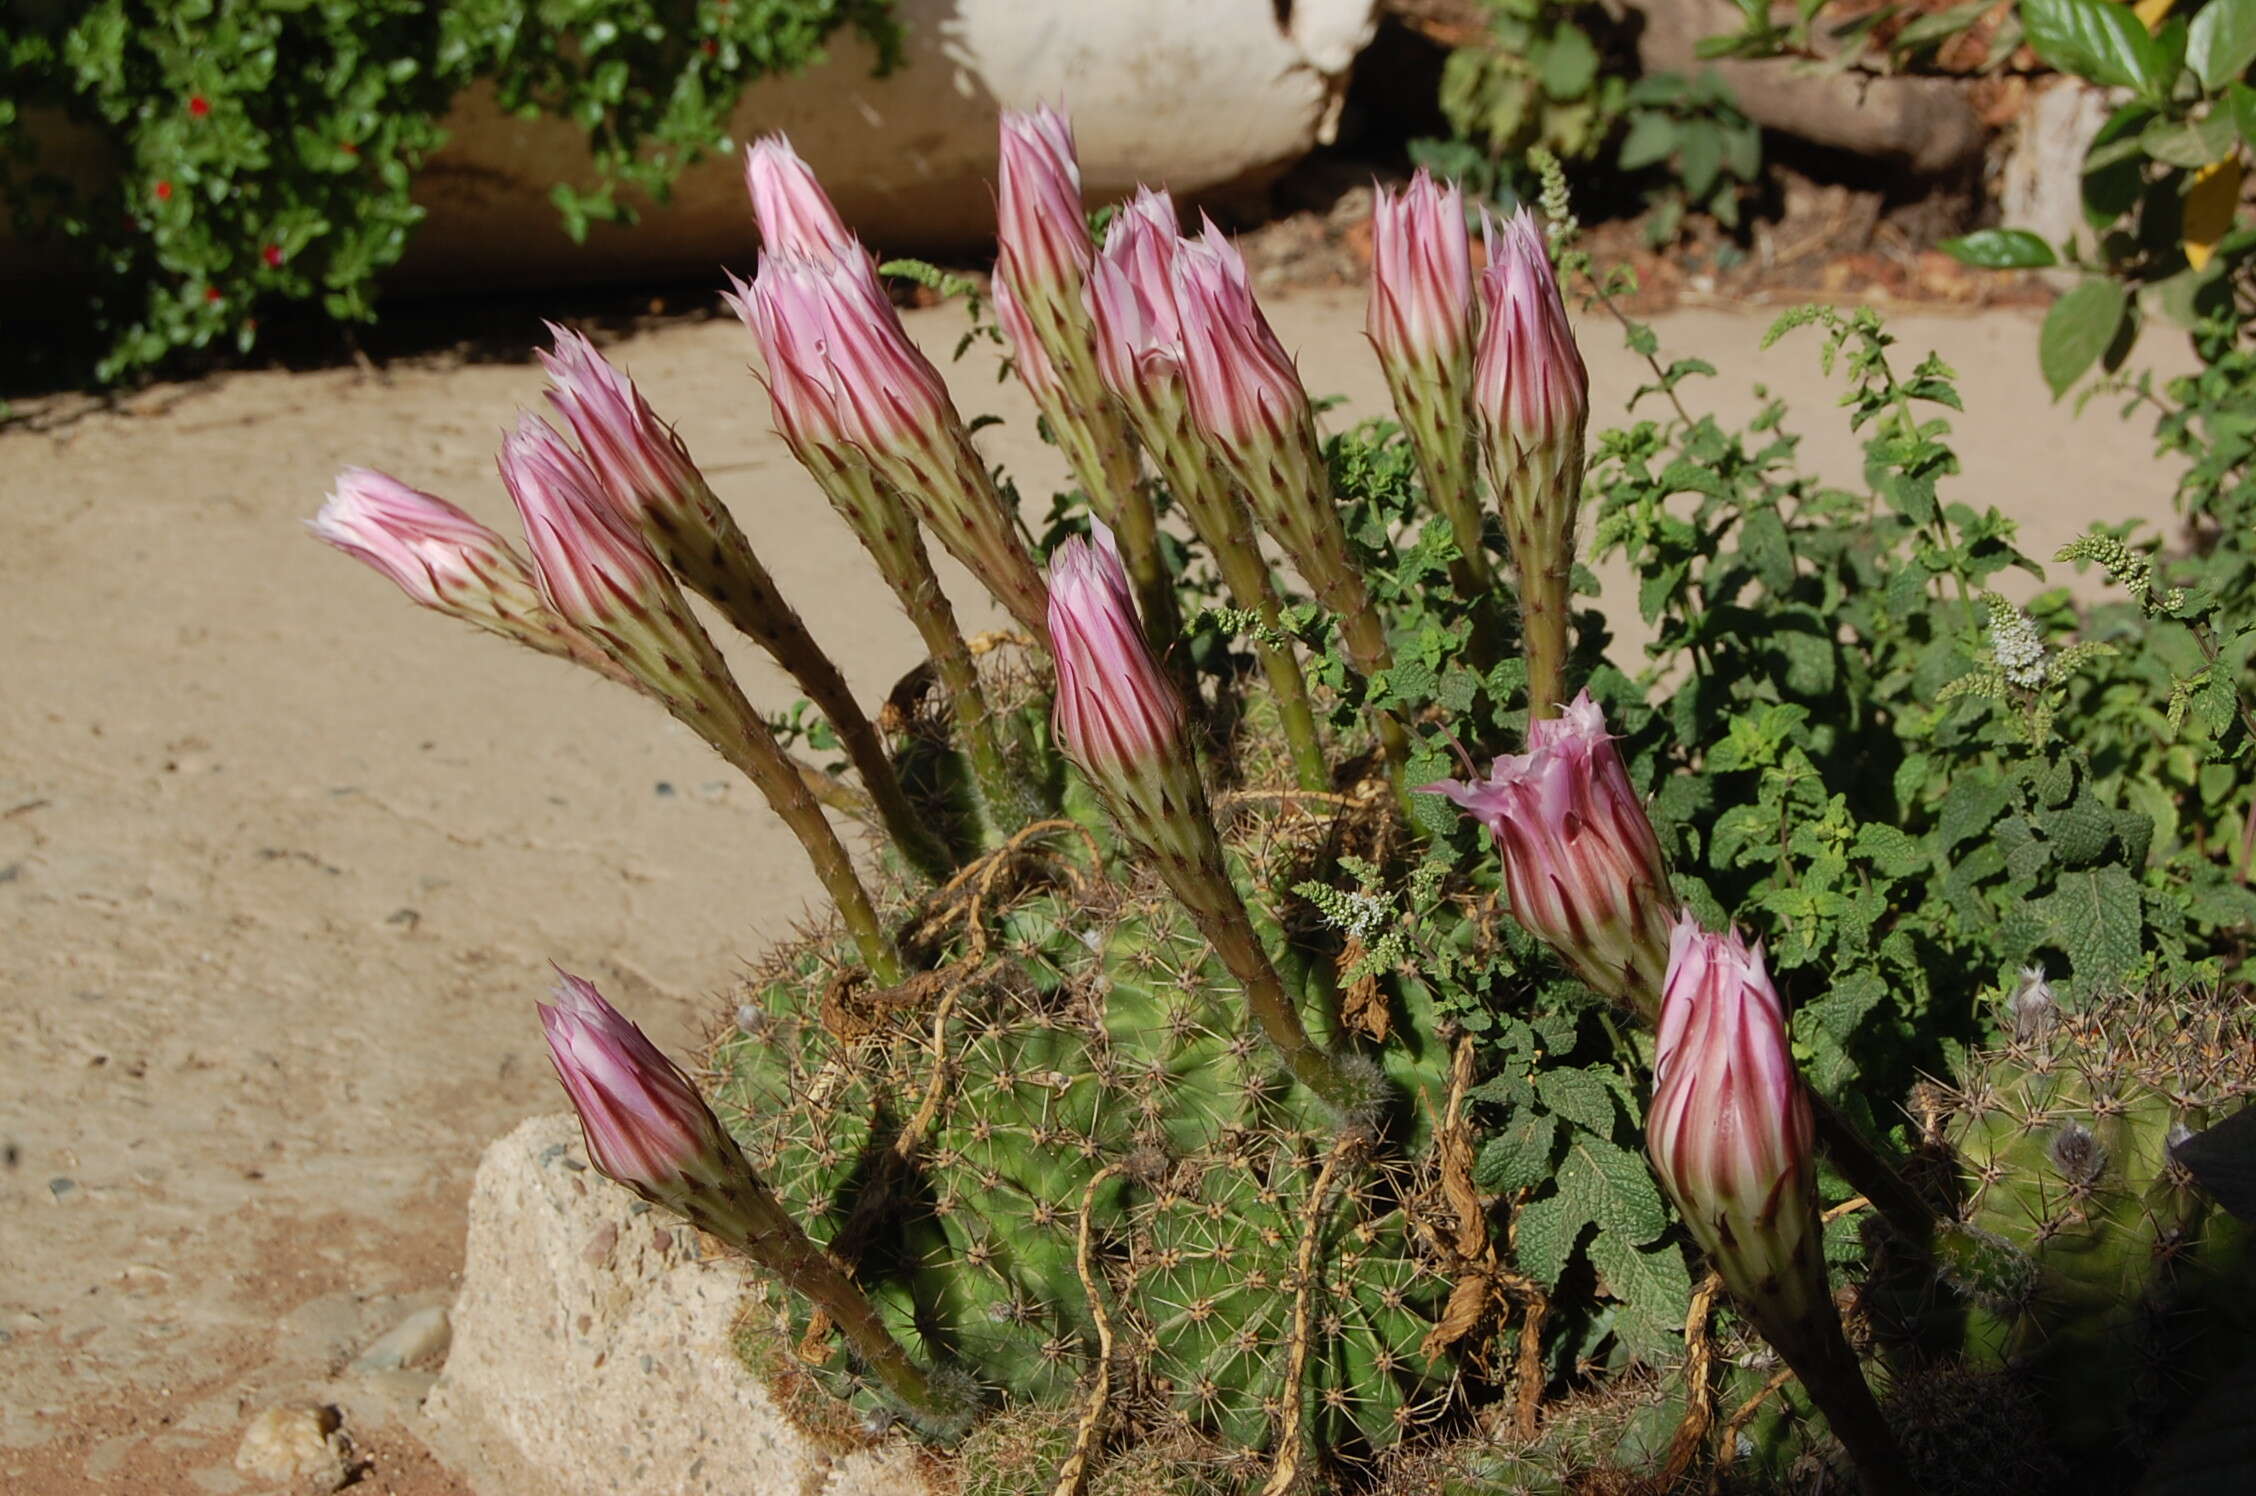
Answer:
(1187, 1100)
(2085, 1260)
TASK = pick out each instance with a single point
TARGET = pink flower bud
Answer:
(594, 569)
(1131, 297)
(794, 213)
(645, 1124)
(1243, 387)
(1729, 1129)
(643, 466)
(1582, 866)
(1421, 308)
(1041, 235)
(1529, 383)
(438, 555)
(1115, 708)
(839, 366)
(1035, 370)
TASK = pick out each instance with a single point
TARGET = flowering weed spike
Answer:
(1731, 1137)
(1533, 396)
(847, 383)
(647, 476)
(1246, 401)
(1420, 320)
(1119, 719)
(1582, 867)
(598, 574)
(1131, 298)
(1042, 260)
(647, 1128)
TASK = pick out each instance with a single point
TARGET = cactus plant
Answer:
(2085, 1261)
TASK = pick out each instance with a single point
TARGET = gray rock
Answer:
(422, 1334)
(582, 1371)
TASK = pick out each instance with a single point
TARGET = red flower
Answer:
(213, 293)
(348, 147)
(709, 47)
(272, 254)
(199, 106)
(164, 191)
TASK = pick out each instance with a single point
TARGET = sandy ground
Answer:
(282, 860)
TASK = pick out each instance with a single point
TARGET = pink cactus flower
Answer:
(438, 555)
(1582, 867)
(1116, 710)
(1131, 297)
(1041, 236)
(645, 1123)
(1420, 313)
(1730, 1130)
(1035, 370)
(1529, 382)
(594, 568)
(643, 466)
(1243, 386)
(794, 213)
(839, 366)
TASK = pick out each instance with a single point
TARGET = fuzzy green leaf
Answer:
(1544, 1235)
(1579, 1096)
(1519, 1157)
(2095, 917)
(1655, 1289)
(2078, 329)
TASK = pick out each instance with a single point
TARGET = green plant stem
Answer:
(1219, 516)
(756, 1224)
(1871, 1175)
(747, 597)
(1820, 1355)
(752, 748)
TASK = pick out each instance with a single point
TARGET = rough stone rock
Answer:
(592, 1351)
(297, 1445)
(423, 1333)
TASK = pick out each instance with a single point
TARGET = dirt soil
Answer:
(283, 861)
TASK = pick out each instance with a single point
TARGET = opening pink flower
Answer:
(1131, 296)
(794, 213)
(1582, 867)
(432, 550)
(1243, 385)
(1421, 305)
(1529, 381)
(1115, 708)
(596, 572)
(645, 1123)
(1041, 234)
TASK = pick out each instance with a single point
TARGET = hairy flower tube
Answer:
(1420, 320)
(1247, 403)
(647, 1128)
(647, 476)
(1532, 393)
(601, 577)
(849, 385)
(446, 561)
(1730, 1134)
(1582, 867)
(1042, 259)
(1131, 298)
(1119, 719)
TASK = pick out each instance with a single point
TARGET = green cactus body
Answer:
(2089, 1263)
(1104, 1060)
